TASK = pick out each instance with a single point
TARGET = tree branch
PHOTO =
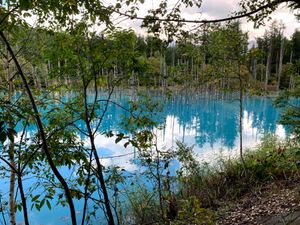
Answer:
(204, 21)
(41, 130)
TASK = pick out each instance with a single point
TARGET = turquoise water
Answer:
(209, 122)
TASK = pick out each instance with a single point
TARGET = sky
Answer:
(213, 9)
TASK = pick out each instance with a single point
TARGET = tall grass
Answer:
(272, 160)
(202, 188)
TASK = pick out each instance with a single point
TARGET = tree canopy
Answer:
(62, 52)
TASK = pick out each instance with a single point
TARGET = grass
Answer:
(229, 179)
(201, 190)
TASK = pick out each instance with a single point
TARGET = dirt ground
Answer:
(273, 204)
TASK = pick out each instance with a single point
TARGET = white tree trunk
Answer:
(280, 62)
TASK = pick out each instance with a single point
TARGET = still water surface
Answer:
(208, 122)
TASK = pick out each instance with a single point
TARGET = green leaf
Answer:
(166, 165)
(42, 203)
(12, 131)
(24, 4)
(134, 143)
(118, 5)
(35, 198)
(48, 204)
(109, 134)
(19, 207)
(119, 138)
(121, 135)
(2, 137)
(126, 144)
(37, 206)
(10, 134)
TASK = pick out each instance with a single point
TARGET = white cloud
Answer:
(214, 9)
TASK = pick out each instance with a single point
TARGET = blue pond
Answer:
(207, 121)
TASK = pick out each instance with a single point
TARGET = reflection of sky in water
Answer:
(211, 125)
(116, 154)
(208, 123)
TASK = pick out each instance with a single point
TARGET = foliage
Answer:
(143, 206)
(226, 179)
(6, 132)
(62, 53)
(264, 8)
(289, 101)
(191, 212)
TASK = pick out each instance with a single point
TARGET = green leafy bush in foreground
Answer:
(191, 212)
(199, 189)
(271, 160)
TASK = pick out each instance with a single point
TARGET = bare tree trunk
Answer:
(173, 66)
(87, 183)
(59, 71)
(23, 199)
(192, 68)
(268, 66)
(41, 130)
(291, 77)
(291, 82)
(48, 66)
(165, 72)
(254, 70)
(280, 62)
(91, 135)
(261, 72)
(36, 77)
(277, 64)
(11, 154)
(12, 181)
(159, 185)
(241, 120)
(161, 71)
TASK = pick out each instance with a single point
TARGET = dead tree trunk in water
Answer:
(280, 63)
(241, 114)
(254, 70)
(268, 66)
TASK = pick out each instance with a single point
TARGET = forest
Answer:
(73, 82)
(212, 57)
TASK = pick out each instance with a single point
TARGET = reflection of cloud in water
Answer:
(207, 122)
(116, 154)
(280, 131)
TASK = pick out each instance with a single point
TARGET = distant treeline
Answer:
(214, 57)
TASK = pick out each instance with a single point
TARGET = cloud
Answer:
(283, 15)
(213, 9)
(219, 8)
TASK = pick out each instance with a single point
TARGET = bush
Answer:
(191, 212)
(228, 179)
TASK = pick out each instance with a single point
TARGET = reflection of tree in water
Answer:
(217, 119)
(213, 118)
(264, 115)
